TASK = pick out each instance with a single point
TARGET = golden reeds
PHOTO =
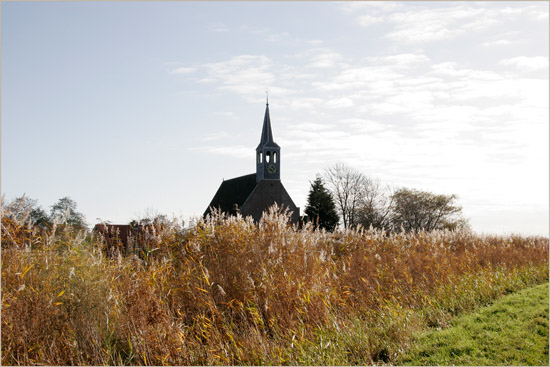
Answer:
(229, 291)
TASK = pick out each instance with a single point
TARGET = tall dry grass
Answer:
(229, 291)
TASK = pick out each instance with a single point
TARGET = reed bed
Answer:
(228, 291)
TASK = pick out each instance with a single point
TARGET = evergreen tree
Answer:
(320, 206)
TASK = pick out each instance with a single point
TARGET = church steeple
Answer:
(267, 134)
(268, 153)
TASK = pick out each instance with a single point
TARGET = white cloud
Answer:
(359, 125)
(501, 42)
(511, 11)
(543, 15)
(265, 33)
(237, 62)
(538, 12)
(356, 77)
(277, 37)
(417, 22)
(366, 20)
(325, 60)
(245, 74)
(437, 24)
(404, 60)
(453, 70)
(218, 28)
(371, 7)
(183, 70)
(207, 80)
(253, 29)
(343, 102)
(300, 103)
(297, 75)
(237, 151)
(315, 42)
(528, 64)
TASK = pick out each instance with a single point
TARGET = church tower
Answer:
(268, 153)
(253, 194)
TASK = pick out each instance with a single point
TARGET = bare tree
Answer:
(347, 186)
(376, 205)
(365, 201)
(415, 210)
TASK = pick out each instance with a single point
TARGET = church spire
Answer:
(267, 135)
(268, 153)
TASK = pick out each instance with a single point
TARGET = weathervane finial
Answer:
(266, 97)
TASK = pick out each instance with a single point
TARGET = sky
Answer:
(133, 108)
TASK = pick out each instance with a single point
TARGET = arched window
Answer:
(268, 158)
(274, 157)
(259, 160)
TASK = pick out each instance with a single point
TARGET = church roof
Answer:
(234, 191)
(267, 134)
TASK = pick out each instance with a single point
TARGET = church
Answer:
(253, 194)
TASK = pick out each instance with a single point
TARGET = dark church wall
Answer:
(266, 193)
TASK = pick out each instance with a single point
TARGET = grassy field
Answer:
(233, 292)
(513, 331)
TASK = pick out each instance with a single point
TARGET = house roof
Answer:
(234, 191)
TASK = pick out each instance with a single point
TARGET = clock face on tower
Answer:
(271, 168)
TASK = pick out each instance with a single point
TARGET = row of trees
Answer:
(25, 209)
(359, 200)
(350, 196)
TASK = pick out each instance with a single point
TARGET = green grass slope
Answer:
(513, 331)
